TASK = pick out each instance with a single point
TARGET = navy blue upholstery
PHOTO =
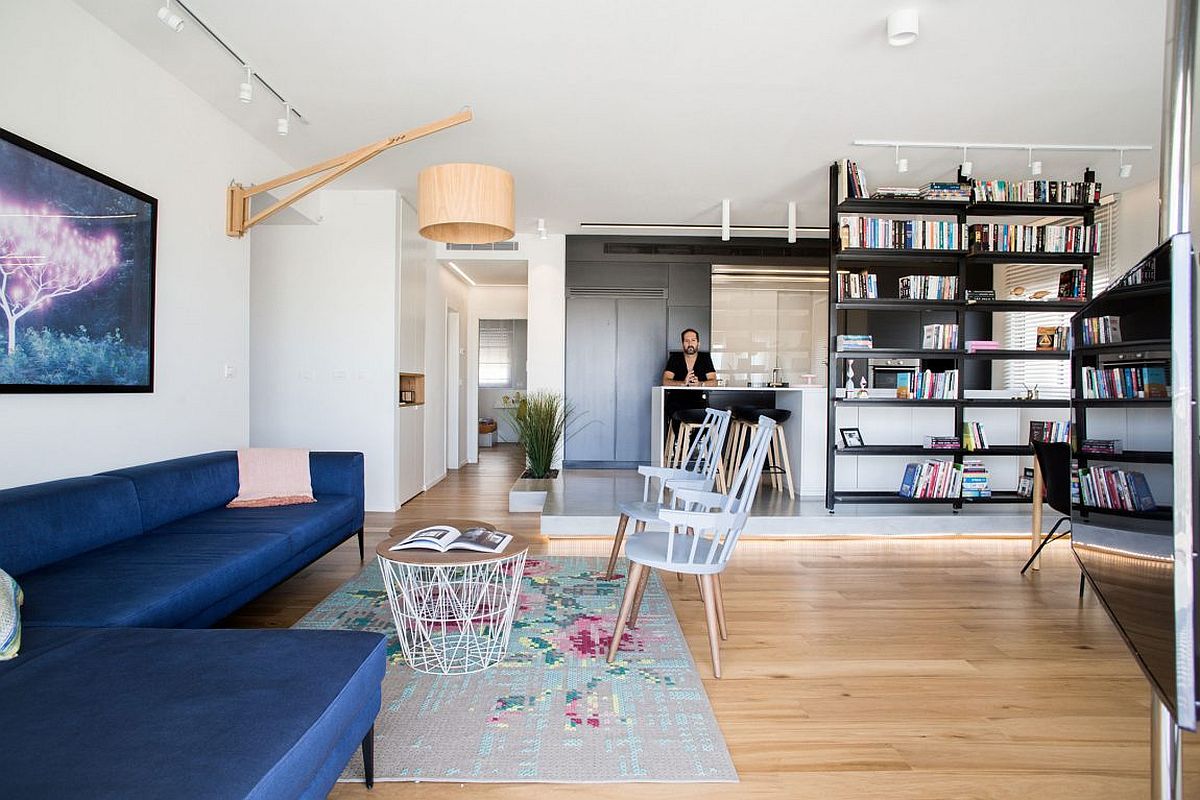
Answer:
(171, 490)
(118, 713)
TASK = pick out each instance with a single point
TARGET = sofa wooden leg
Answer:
(368, 754)
(362, 556)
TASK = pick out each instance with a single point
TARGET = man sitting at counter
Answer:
(691, 367)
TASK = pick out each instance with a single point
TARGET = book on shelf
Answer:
(851, 182)
(1049, 431)
(1146, 382)
(443, 538)
(853, 286)
(929, 385)
(940, 336)
(931, 479)
(1025, 484)
(1100, 330)
(928, 287)
(943, 190)
(1108, 487)
(976, 481)
(942, 443)
(854, 341)
(993, 237)
(877, 233)
(974, 437)
(896, 193)
(981, 295)
(1102, 447)
(1036, 191)
(1145, 271)
(982, 345)
(1072, 284)
(904, 381)
(1053, 338)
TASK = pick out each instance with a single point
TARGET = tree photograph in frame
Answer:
(77, 252)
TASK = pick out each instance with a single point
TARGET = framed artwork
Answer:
(851, 437)
(77, 253)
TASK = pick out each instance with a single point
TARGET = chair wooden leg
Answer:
(700, 585)
(720, 598)
(637, 599)
(669, 445)
(635, 575)
(708, 592)
(773, 458)
(786, 462)
(616, 551)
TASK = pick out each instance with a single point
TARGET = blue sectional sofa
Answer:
(113, 696)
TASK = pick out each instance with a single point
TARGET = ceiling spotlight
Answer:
(1126, 169)
(1035, 168)
(283, 124)
(791, 222)
(965, 168)
(246, 88)
(169, 18)
(902, 27)
(901, 163)
(542, 229)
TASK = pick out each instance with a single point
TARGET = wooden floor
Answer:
(871, 668)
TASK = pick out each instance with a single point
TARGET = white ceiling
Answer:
(634, 111)
(494, 272)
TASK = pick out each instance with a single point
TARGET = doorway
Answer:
(453, 391)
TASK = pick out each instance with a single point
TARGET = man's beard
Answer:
(690, 350)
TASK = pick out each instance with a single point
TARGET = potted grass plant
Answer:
(541, 421)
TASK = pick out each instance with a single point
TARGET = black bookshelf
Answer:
(973, 270)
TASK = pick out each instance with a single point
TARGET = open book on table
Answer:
(446, 537)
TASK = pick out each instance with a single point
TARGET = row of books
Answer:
(876, 233)
(1072, 284)
(927, 385)
(932, 479)
(1035, 191)
(1126, 383)
(1146, 271)
(854, 341)
(1109, 487)
(851, 182)
(857, 285)
(1100, 330)
(1049, 431)
(976, 481)
(997, 237)
(974, 437)
(940, 336)
(928, 287)
(1052, 337)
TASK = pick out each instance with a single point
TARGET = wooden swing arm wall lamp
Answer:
(238, 217)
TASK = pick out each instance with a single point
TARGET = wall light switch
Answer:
(228, 371)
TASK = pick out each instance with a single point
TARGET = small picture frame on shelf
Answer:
(851, 437)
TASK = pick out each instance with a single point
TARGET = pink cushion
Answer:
(270, 476)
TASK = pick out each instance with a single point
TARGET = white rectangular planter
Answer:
(529, 494)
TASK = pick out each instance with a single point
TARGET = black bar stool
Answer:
(745, 423)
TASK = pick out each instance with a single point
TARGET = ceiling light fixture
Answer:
(753, 230)
(169, 18)
(1126, 169)
(466, 204)
(901, 163)
(282, 125)
(246, 87)
(725, 220)
(1035, 167)
(791, 222)
(965, 168)
(460, 273)
(541, 229)
(902, 27)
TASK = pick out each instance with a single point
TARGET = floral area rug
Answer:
(553, 711)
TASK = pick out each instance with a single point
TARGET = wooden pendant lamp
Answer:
(469, 203)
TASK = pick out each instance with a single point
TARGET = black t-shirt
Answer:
(677, 366)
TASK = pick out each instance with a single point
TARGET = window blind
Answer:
(495, 353)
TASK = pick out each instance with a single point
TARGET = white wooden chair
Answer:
(697, 470)
(699, 543)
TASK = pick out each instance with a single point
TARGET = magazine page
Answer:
(481, 540)
(436, 537)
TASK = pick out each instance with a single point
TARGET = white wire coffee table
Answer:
(453, 611)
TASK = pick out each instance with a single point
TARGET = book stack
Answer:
(976, 481)
(1102, 447)
(851, 182)
(978, 295)
(982, 345)
(942, 442)
(896, 192)
(1143, 272)
(1050, 337)
(940, 336)
(857, 285)
(1072, 283)
(931, 479)
(1109, 487)
(1126, 383)
(974, 437)
(1100, 330)
(1049, 431)
(875, 233)
(928, 287)
(994, 237)
(930, 385)
(958, 192)
(854, 341)
(1077, 192)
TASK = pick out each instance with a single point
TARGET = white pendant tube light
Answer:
(1035, 167)
(246, 87)
(1126, 169)
(725, 220)
(902, 27)
(901, 163)
(169, 18)
(542, 229)
(283, 124)
(791, 222)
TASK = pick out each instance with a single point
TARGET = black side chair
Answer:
(1054, 463)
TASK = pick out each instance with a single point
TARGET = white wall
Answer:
(72, 85)
(322, 332)
(547, 311)
(1138, 226)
